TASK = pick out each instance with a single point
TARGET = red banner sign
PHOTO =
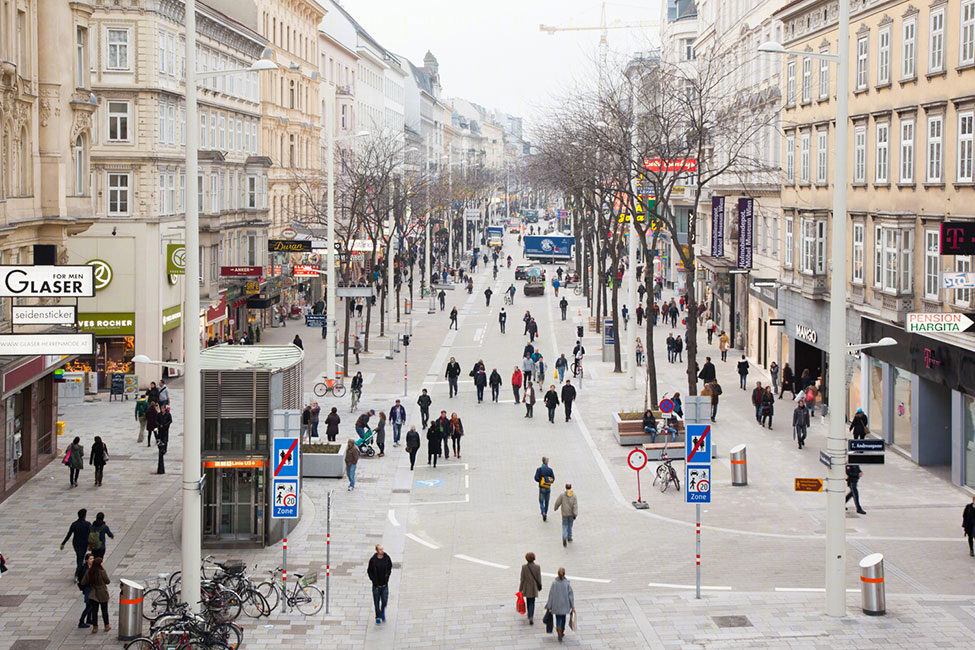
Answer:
(305, 271)
(242, 271)
(673, 165)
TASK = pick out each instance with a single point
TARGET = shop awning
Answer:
(263, 302)
(716, 264)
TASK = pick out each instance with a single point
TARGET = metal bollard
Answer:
(408, 306)
(872, 587)
(739, 465)
(130, 610)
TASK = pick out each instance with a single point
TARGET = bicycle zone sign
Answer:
(284, 485)
(697, 478)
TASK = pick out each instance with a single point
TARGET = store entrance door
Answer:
(234, 505)
(809, 358)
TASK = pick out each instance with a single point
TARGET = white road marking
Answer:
(467, 482)
(813, 590)
(420, 540)
(468, 558)
(672, 586)
(466, 499)
(599, 580)
(391, 515)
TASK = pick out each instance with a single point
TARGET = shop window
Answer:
(856, 395)
(968, 422)
(15, 436)
(876, 417)
(902, 408)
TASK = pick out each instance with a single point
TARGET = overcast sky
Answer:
(493, 53)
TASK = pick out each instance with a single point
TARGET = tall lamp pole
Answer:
(330, 292)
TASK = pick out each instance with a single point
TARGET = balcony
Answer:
(813, 286)
(856, 294)
(896, 308)
(343, 90)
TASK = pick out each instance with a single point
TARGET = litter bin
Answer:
(739, 465)
(408, 306)
(872, 587)
(579, 331)
(130, 610)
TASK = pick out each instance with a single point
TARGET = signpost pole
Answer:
(328, 548)
(406, 367)
(284, 566)
(698, 543)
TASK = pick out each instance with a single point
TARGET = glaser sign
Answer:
(47, 281)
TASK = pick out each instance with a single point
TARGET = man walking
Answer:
(442, 426)
(453, 372)
(78, 534)
(165, 420)
(495, 382)
(480, 381)
(715, 389)
(561, 365)
(516, 384)
(568, 396)
(424, 402)
(757, 400)
(397, 415)
(743, 372)
(380, 567)
(351, 461)
(545, 477)
(141, 406)
(563, 305)
(967, 525)
(527, 318)
(487, 297)
(453, 318)
(527, 367)
(551, 401)
(853, 476)
(532, 330)
(708, 373)
(800, 423)
(570, 509)
(502, 319)
(442, 296)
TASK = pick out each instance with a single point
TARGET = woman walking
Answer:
(83, 622)
(530, 584)
(561, 602)
(456, 432)
(767, 406)
(96, 537)
(332, 421)
(412, 445)
(529, 399)
(152, 421)
(97, 579)
(99, 456)
(433, 444)
(380, 432)
(75, 460)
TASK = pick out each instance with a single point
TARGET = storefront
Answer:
(716, 292)
(114, 345)
(922, 375)
(215, 321)
(764, 340)
(234, 506)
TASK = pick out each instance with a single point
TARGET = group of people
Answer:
(88, 539)
(154, 417)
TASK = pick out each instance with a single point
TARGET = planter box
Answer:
(323, 465)
(628, 429)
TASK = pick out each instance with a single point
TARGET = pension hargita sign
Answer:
(952, 323)
(47, 281)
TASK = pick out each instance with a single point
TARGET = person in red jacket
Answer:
(516, 380)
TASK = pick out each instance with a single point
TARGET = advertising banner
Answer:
(746, 221)
(717, 226)
(548, 246)
(241, 271)
(47, 281)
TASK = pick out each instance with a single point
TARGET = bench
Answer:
(631, 433)
(675, 450)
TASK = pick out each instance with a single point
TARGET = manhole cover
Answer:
(400, 491)
(30, 644)
(731, 621)
(12, 600)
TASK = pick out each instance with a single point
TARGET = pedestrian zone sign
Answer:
(285, 460)
(698, 444)
(285, 497)
(698, 482)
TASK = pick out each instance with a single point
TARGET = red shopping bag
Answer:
(520, 603)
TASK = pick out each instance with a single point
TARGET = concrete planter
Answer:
(316, 464)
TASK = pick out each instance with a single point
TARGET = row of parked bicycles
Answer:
(226, 592)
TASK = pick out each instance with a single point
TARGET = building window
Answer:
(223, 133)
(824, 76)
(909, 49)
(858, 253)
(804, 158)
(790, 158)
(203, 130)
(687, 49)
(80, 167)
(23, 43)
(806, 80)
(860, 154)
(896, 255)
(291, 94)
(932, 264)
(118, 194)
(882, 148)
(935, 133)
(162, 194)
(966, 46)
(214, 194)
(907, 260)
(936, 42)
(81, 58)
(213, 130)
(118, 49)
(252, 191)
(182, 192)
(789, 240)
(822, 156)
(963, 297)
(907, 151)
(863, 48)
(118, 121)
(790, 76)
(965, 130)
(883, 56)
(199, 193)
(344, 123)
(878, 255)
(813, 246)
(291, 151)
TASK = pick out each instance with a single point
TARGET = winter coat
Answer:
(516, 378)
(968, 519)
(859, 424)
(495, 379)
(315, 412)
(768, 404)
(424, 401)
(379, 570)
(351, 455)
(800, 417)
(561, 600)
(723, 343)
(151, 416)
(530, 395)
(531, 580)
(743, 367)
(77, 458)
(708, 373)
(332, 421)
(98, 452)
(98, 580)
(551, 399)
(380, 432)
(757, 396)
(453, 370)
(412, 439)
(434, 441)
(456, 428)
(306, 415)
(480, 378)
(569, 504)
(568, 393)
(164, 421)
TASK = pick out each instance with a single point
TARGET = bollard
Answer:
(872, 585)
(739, 465)
(408, 306)
(130, 610)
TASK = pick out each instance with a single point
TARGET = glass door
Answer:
(233, 504)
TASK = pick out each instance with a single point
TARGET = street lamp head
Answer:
(771, 47)
(886, 341)
(141, 358)
(263, 64)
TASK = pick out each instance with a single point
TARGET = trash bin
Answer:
(408, 306)
(60, 427)
(579, 331)
(130, 610)
(739, 465)
(872, 587)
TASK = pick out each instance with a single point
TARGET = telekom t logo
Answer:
(952, 236)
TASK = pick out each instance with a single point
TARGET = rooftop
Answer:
(250, 357)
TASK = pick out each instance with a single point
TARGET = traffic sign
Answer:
(285, 505)
(809, 485)
(865, 459)
(950, 322)
(637, 459)
(764, 282)
(285, 458)
(865, 445)
(698, 443)
(666, 406)
(697, 478)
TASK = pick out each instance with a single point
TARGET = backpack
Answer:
(94, 539)
(716, 388)
(546, 481)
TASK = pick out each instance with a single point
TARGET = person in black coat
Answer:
(480, 381)
(788, 381)
(424, 401)
(451, 374)
(433, 443)
(162, 438)
(78, 534)
(380, 567)
(495, 382)
(859, 425)
(708, 373)
(551, 401)
(968, 525)
(99, 456)
(413, 445)
(853, 475)
(296, 342)
(568, 396)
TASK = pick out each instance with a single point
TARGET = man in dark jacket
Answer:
(480, 381)
(424, 401)
(442, 296)
(743, 372)
(442, 426)
(788, 379)
(297, 342)
(532, 330)
(453, 372)
(708, 373)
(380, 567)
(502, 319)
(487, 296)
(968, 525)
(800, 423)
(563, 305)
(545, 477)
(78, 534)
(162, 438)
(853, 475)
(551, 401)
(568, 396)
(495, 382)
(757, 400)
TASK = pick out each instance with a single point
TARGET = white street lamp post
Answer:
(330, 291)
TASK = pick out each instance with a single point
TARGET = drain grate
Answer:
(400, 491)
(731, 621)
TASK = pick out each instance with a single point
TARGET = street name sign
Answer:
(809, 485)
(764, 282)
(950, 322)
(776, 322)
(284, 488)
(865, 459)
(825, 459)
(316, 320)
(47, 281)
(58, 315)
(865, 445)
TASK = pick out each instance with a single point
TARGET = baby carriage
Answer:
(365, 443)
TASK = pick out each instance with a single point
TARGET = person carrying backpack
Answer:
(96, 536)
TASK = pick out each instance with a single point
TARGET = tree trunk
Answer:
(617, 361)
(382, 308)
(691, 341)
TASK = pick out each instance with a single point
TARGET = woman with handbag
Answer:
(75, 460)
(97, 579)
(99, 456)
(456, 432)
(530, 584)
(561, 602)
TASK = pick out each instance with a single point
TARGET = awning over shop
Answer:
(716, 264)
(263, 302)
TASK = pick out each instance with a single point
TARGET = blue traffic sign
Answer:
(697, 480)
(430, 482)
(698, 443)
(666, 406)
(284, 461)
(284, 495)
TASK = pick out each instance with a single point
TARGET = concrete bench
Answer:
(675, 450)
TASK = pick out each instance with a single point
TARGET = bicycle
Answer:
(305, 596)
(666, 473)
(577, 368)
(508, 298)
(577, 290)
(333, 386)
(356, 396)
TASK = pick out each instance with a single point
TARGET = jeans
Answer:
(380, 595)
(501, 322)
(495, 391)
(543, 497)
(446, 447)
(361, 432)
(453, 323)
(652, 432)
(568, 409)
(527, 375)
(854, 493)
(452, 386)
(561, 373)
(567, 527)
(314, 429)
(397, 427)
(551, 414)
(530, 602)
(80, 552)
(516, 390)
(480, 393)
(742, 379)
(412, 453)
(714, 410)
(563, 313)
(560, 621)
(350, 472)
(424, 415)
(801, 435)
(710, 335)
(758, 412)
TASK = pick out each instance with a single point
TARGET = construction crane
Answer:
(602, 27)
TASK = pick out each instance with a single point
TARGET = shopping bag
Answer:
(572, 621)
(549, 621)
(520, 603)
(67, 457)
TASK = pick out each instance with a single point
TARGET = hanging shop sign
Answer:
(289, 233)
(717, 226)
(746, 220)
(25, 345)
(252, 288)
(176, 259)
(103, 273)
(305, 271)
(958, 238)
(58, 315)
(172, 317)
(47, 281)
(107, 323)
(241, 271)
(288, 246)
(670, 165)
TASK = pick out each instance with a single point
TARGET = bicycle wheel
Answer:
(321, 389)
(155, 603)
(338, 390)
(270, 593)
(309, 599)
(211, 644)
(223, 604)
(577, 290)
(175, 579)
(253, 604)
(676, 482)
(229, 634)
(141, 643)
(664, 479)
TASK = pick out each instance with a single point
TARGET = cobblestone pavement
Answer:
(457, 534)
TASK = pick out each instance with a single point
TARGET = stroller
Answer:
(365, 443)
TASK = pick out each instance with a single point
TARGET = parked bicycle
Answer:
(330, 387)
(305, 596)
(182, 629)
(666, 474)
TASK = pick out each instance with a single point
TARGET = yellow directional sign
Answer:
(809, 485)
